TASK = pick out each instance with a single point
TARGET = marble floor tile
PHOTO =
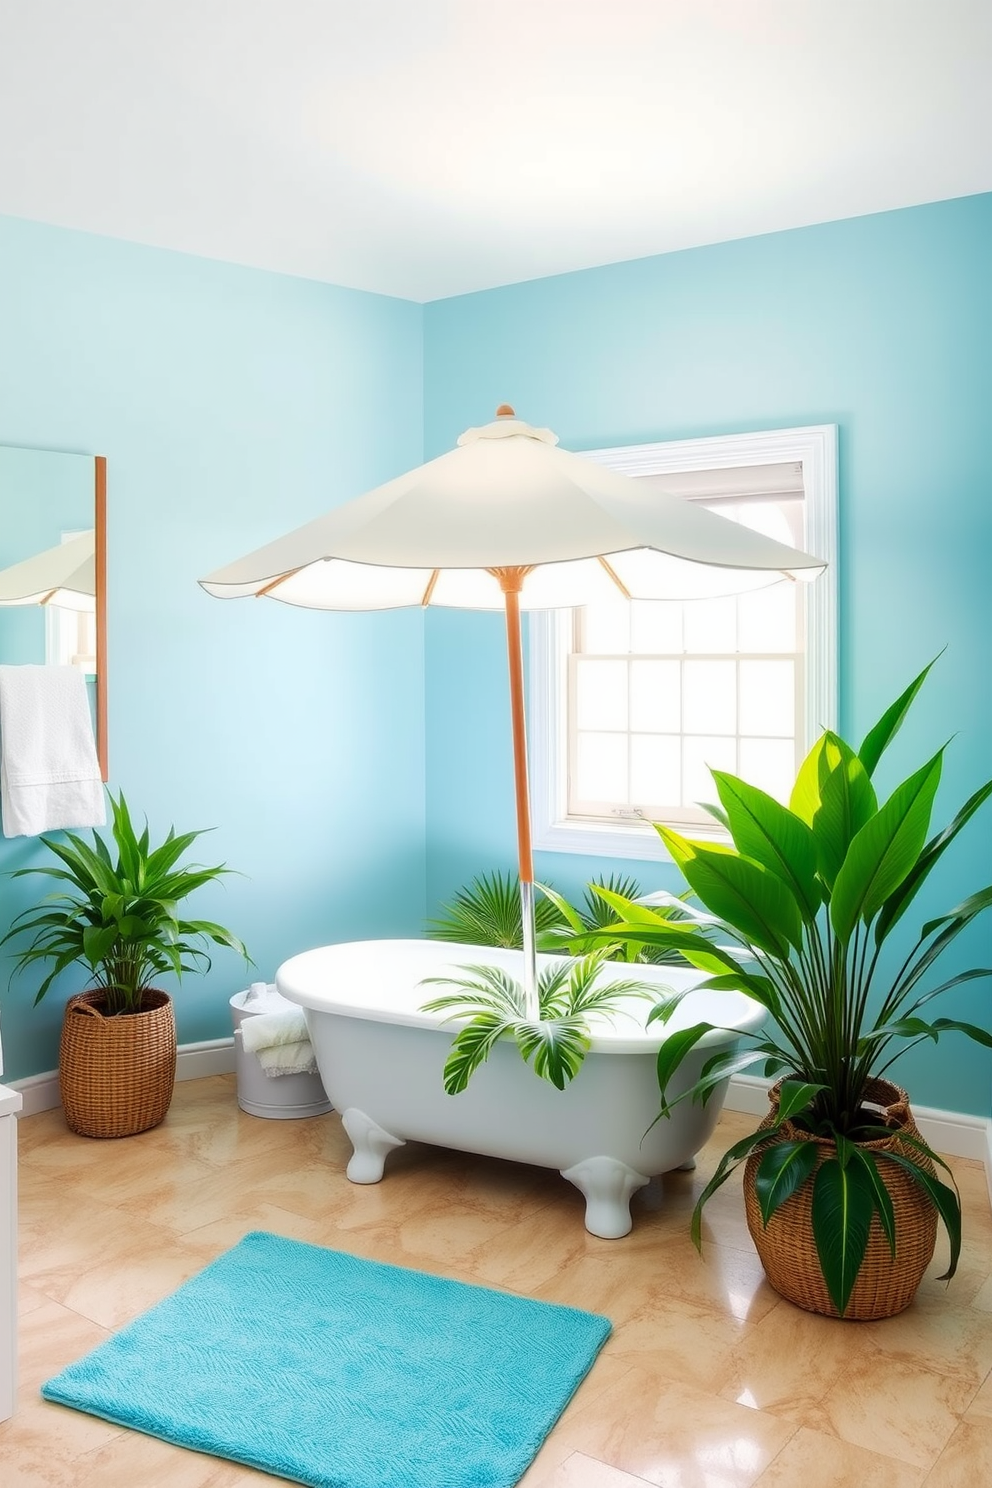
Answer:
(674, 1435)
(708, 1380)
(580, 1471)
(900, 1409)
(786, 1362)
(966, 1461)
(814, 1460)
(982, 1403)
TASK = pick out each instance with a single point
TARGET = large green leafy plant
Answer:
(808, 896)
(116, 912)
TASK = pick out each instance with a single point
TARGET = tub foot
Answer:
(606, 1185)
(372, 1146)
(689, 1166)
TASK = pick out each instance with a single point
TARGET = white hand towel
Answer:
(49, 772)
(288, 1059)
(270, 1030)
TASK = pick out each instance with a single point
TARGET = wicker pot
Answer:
(885, 1284)
(116, 1074)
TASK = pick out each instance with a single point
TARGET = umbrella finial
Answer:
(505, 411)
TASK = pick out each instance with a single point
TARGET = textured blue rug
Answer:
(341, 1373)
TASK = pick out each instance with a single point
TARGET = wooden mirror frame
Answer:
(100, 574)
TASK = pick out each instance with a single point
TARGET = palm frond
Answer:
(487, 912)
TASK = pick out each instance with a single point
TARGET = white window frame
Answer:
(550, 631)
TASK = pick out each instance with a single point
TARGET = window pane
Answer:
(655, 696)
(709, 699)
(769, 764)
(767, 619)
(601, 694)
(711, 625)
(768, 703)
(699, 756)
(606, 627)
(655, 770)
(656, 626)
(602, 768)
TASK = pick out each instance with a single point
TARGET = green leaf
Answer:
(742, 893)
(795, 1096)
(673, 1051)
(884, 851)
(847, 803)
(470, 1048)
(878, 738)
(557, 1048)
(97, 942)
(944, 1200)
(783, 1169)
(804, 801)
(965, 912)
(883, 1199)
(901, 898)
(488, 913)
(717, 1070)
(780, 841)
(724, 1169)
(843, 1206)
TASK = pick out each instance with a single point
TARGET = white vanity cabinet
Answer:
(10, 1104)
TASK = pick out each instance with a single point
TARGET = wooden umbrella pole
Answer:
(511, 582)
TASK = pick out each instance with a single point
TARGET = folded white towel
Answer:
(270, 1030)
(49, 772)
(288, 1059)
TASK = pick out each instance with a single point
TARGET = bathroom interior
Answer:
(354, 770)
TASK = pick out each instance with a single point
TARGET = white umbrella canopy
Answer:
(507, 520)
(64, 575)
(507, 497)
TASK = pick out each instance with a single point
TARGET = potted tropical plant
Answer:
(116, 912)
(841, 1192)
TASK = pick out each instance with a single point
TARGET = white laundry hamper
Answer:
(279, 1097)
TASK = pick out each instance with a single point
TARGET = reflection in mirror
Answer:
(53, 568)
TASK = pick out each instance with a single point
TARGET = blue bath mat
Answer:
(338, 1372)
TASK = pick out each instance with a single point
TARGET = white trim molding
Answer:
(816, 447)
(193, 1062)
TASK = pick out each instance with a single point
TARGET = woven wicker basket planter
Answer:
(886, 1284)
(116, 1074)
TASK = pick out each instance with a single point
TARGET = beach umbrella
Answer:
(508, 520)
(64, 575)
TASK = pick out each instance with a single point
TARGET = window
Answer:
(633, 702)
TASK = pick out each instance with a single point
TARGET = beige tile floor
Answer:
(709, 1380)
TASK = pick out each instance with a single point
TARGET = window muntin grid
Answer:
(660, 692)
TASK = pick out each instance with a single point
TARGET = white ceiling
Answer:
(425, 148)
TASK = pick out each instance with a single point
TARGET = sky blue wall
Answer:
(232, 405)
(881, 325)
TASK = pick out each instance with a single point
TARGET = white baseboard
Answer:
(951, 1133)
(193, 1062)
(211, 1057)
(38, 1092)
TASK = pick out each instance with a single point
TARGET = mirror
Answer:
(53, 593)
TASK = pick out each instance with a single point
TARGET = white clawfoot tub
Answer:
(381, 1059)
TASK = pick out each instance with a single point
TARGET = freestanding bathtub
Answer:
(381, 1058)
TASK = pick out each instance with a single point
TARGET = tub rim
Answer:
(744, 1014)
